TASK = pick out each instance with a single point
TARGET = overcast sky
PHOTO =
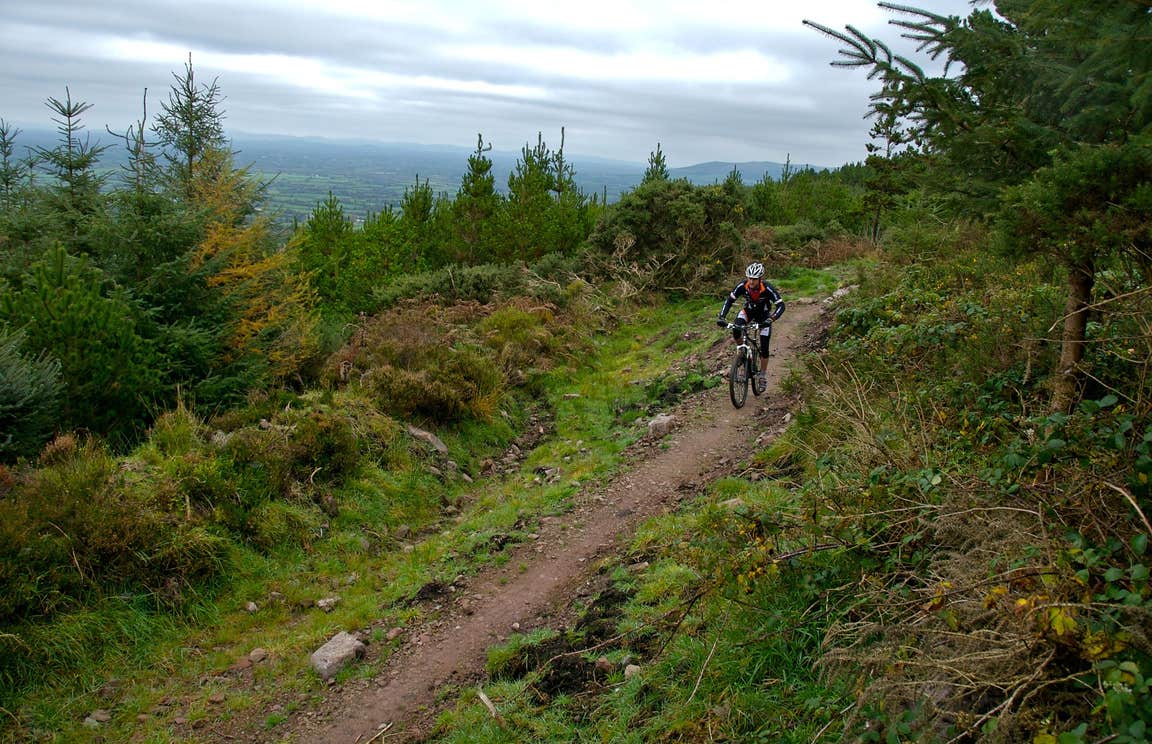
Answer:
(728, 80)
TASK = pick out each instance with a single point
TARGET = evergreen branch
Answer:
(912, 68)
(862, 41)
(884, 48)
(914, 11)
(826, 30)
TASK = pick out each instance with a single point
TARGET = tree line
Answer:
(122, 293)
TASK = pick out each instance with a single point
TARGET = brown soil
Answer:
(537, 585)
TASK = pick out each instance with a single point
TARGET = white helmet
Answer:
(754, 270)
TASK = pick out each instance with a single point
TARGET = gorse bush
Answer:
(669, 234)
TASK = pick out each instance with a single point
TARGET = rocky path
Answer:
(538, 584)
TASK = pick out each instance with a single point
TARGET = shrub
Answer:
(81, 526)
(109, 372)
(29, 398)
(449, 385)
(521, 338)
(454, 284)
(668, 234)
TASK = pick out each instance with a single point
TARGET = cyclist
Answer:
(762, 304)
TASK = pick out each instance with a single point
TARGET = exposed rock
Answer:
(840, 293)
(251, 607)
(111, 689)
(257, 655)
(429, 437)
(328, 603)
(660, 426)
(336, 654)
(631, 671)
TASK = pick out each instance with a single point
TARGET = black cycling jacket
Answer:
(760, 303)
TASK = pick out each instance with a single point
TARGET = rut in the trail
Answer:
(710, 440)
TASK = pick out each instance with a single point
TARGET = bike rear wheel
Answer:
(738, 380)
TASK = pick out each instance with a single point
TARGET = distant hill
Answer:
(750, 171)
(368, 176)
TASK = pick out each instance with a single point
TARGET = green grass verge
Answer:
(170, 666)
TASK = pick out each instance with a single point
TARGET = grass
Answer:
(599, 409)
(719, 659)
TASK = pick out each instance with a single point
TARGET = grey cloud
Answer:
(816, 116)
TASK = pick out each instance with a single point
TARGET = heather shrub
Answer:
(421, 360)
(522, 338)
(80, 526)
(447, 385)
(454, 284)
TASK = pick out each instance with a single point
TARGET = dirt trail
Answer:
(537, 585)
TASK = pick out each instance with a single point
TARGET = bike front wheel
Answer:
(738, 380)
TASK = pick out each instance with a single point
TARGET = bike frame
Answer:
(744, 364)
(751, 340)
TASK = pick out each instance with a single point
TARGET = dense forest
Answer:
(199, 403)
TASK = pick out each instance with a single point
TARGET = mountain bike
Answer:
(745, 365)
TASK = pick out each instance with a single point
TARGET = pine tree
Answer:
(657, 168)
(190, 126)
(529, 207)
(29, 398)
(11, 169)
(141, 172)
(476, 206)
(72, 163)
(1045, 92)
(324, 242)
(68, 309)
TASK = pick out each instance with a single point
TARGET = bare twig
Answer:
(490, 706)
(704, 666)
(824, 728)
(1132, 501)
(1006, 705)
(75, 560)
(379, 734)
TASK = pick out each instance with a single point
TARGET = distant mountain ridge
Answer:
(367, 176)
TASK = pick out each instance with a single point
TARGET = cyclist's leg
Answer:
(740, 322)
(765, 338)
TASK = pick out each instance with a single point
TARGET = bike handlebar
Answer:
(730, 326)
